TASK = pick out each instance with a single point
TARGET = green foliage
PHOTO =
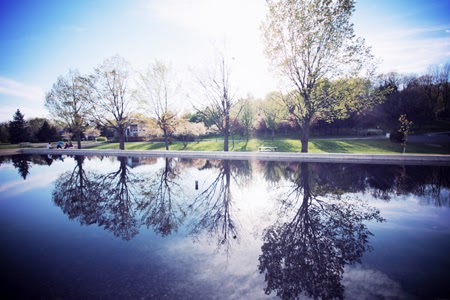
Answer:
(4, 132)
(68, 102)
(102, 139)
(309, 43)
(18, 129)
(46, 133)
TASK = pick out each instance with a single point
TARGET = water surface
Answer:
(157, 228)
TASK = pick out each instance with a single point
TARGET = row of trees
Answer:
(327, 76)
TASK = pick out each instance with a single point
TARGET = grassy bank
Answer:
(370, 146)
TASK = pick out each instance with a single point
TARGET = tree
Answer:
(34, 124)
(111, 103)
(274, 111)
(92, 132)
(158, 89)
(216, 89)
(405, 124)
(4, 132)
(18, 129)
(46, 133)
(311, 43)
(68, 102)
(187, 131)
(246, 118)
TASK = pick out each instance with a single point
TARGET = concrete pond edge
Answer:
(403, 159)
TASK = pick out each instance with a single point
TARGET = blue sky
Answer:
(40, 40)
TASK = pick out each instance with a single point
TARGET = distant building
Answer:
(133, 132)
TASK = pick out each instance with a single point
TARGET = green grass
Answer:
(329, 145)
(376, 146)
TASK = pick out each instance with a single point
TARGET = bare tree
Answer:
(157, 92)
(216, 89)
(112, 105)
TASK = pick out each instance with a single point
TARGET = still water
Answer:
(157, 228)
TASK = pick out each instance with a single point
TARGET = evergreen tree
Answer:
(18, 129)
(46, 133)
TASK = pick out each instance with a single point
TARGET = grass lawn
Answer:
(375, 146)
(330, 145)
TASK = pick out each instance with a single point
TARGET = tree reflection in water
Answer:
(159, 204)
(77, 194)
(306, 253)
(23, 164)
(123, 200)
(104, 199)
(214, 207)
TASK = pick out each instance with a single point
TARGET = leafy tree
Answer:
(158, 89)
(68, 102)
(309, 43)
(189, 131)
(46, 133)
(92, 132)
(246, 118)
(18, 129)
(4, 132)
(112, 105)
(34, 124)
(274, 111)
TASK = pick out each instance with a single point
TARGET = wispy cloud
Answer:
(411, 50)
(35, 111)
(14, 88)
(361, 283)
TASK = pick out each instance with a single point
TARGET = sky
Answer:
(43, 39)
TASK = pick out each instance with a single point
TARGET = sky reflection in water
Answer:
(251, 227)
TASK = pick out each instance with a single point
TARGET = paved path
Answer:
(410, 159)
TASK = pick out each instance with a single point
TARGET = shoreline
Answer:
(404, 159)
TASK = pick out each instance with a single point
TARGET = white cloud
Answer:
(29, 99)
(365, 284)
(410, 50)
(11, 87)
(29, 111)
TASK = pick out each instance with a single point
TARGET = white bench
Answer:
(25, 144)
(264, 148)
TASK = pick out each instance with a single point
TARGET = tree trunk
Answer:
(305, 136)
(226, 133)
(78, 135)
(121, 138)
(165, 139)
(225, 141)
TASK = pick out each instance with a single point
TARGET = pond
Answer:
(176, 228)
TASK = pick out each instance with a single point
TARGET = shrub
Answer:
(102, 139)
(396, 137)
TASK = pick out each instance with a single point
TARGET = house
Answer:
(133, 132)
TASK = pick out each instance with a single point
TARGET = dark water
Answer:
(141, 228)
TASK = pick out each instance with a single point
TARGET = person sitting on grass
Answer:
(59, 145)
(70, 145)
(49, 145)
